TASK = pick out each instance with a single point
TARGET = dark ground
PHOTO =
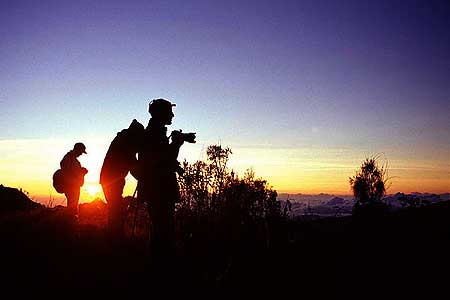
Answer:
(406, 253)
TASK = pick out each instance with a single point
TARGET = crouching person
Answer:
(120, 160)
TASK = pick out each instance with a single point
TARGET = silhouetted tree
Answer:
(218, 158)
(210, 187)
(369, 187)
(220, 203)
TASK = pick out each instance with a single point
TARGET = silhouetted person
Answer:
(120, 159)
(74, 177)
(158, 184)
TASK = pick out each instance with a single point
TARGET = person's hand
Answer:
(177, 137)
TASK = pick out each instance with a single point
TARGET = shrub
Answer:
(369, 187)
(218, 203)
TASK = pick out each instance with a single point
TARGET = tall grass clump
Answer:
(369, 187)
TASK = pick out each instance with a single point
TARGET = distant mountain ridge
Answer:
(324, 205)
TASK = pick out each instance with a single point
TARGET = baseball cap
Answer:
(159, 104)
(80, 146)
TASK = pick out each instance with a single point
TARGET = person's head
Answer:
(161, 110)
(79, 148)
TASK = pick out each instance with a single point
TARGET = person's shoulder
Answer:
(67, 158)
(121, 134)
(68, 154)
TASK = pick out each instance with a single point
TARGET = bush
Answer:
(369, 187)
(216, 202)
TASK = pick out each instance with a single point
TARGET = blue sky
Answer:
(362, 76)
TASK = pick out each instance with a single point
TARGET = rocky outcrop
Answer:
(13, 200)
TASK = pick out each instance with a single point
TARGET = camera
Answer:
(185, 137)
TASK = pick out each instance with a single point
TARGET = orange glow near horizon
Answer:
(306, 171)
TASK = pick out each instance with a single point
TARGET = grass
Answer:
(43, 251)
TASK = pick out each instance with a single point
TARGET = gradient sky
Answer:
(301, 91)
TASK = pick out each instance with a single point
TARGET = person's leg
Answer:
(109, 198)
(113, 196)
(163, 229)
(73, 196)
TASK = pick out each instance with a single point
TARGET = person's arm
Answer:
(175, 145)
(135, 168)
(174, 150)
(72, 166)
(67, 164)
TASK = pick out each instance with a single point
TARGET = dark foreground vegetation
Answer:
(233, 236)
(405, 251)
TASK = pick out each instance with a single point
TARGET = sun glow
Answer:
(93, 189)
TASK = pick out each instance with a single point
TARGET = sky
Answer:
(301, 91)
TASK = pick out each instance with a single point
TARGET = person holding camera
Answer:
(157, 184)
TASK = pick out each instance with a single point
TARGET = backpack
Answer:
(59, 181)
